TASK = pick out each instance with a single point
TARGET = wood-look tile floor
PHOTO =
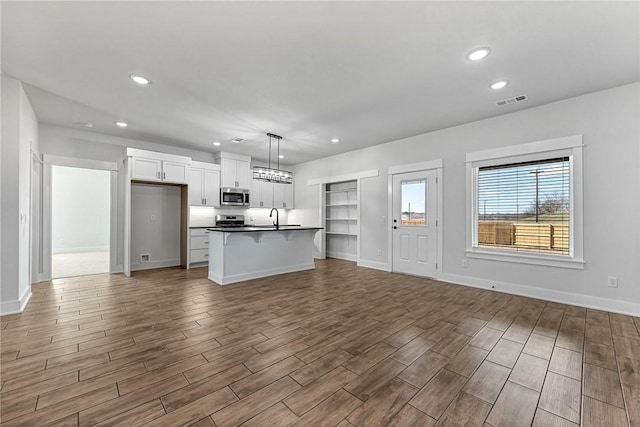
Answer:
(339, 345)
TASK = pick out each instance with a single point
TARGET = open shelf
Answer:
(341, 219)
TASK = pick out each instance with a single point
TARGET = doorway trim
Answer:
(52, 160)
(438, 165)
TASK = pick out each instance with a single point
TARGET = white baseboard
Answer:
(80, 249)
(342, 255)
(227, 280)
(137, 266)
(588, 301)
(15, 306)
(374, 264)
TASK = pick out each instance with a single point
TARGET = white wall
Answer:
(80, 209)
(80, 144)
(609, 122)
(19, 140)
(155, 225)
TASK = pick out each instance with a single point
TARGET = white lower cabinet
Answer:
(198, 246)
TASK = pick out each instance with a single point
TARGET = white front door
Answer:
(414, 222)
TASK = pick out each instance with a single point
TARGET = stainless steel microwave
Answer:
(234, 196)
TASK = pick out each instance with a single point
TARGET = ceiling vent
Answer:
(237, 140)
(513, 100)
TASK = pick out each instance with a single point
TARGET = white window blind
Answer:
(525, 206)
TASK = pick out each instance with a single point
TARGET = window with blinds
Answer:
(524, 206)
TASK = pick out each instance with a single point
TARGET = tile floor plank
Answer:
(343, 345)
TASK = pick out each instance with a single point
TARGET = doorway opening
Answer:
(80, 221)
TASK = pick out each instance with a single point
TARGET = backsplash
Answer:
(201, 216)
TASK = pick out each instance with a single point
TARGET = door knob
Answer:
(395, 220)
(395, 228)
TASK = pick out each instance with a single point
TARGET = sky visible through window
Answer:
(413, 196)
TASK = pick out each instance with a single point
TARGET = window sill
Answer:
(527, 258)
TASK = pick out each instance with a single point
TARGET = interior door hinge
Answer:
(436, 266)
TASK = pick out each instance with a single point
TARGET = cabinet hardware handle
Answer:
(395, 228)
(205, 201)
(206, 243)
(206, 254)
(164, 175)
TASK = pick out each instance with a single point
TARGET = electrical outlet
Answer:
(612, 282)
(152, 217)
(379, 252)
(463, 263)
(144, 257)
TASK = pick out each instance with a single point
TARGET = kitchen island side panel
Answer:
(239, 256)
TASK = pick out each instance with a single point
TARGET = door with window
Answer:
(414, 222)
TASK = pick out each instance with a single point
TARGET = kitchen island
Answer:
(245, 253)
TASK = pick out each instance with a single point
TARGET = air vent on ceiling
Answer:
(513, 100)
(237, 140)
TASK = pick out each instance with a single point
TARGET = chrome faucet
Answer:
(277, 223)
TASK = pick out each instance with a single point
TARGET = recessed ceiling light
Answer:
(84, 124)
(281, 156)
(498, 85)
(216, 143)
(121, 124)
(478, 53)
(335, 140)
(237, 140)
(140, 79)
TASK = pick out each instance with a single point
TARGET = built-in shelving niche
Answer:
(341, 220)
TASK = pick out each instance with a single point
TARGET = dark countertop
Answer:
(250, 229)
(202, 226)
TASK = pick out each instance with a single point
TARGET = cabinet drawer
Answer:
(199, 232)
(199, 255)
(199, 242)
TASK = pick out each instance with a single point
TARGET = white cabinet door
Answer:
(261, 195)
(228, 173)
(175, 172)
(146, 169)
(211, 191)
(255, 193)
(243, 174)
(196, 178)
(283, 196)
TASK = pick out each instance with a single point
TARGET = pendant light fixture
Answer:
(273, 174)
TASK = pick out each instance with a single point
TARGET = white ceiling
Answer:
(365, 72)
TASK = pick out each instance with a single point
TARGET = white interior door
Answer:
(415, 246)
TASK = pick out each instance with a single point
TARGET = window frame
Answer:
(570, 146)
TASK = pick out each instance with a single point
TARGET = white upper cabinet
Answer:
(204, 184)
(175, 172)
(158, 167)
(261, 195)
(283, 196)
(234, 170)
(146, 169)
